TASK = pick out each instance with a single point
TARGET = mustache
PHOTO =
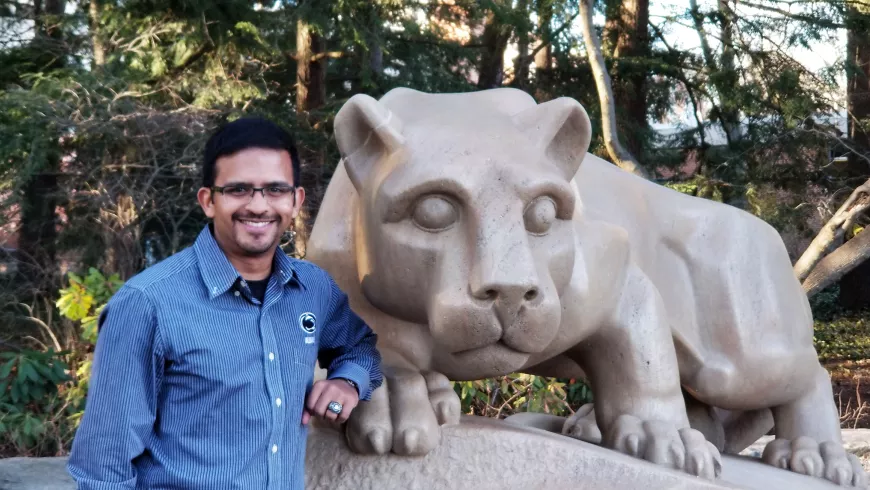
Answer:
(249, 216)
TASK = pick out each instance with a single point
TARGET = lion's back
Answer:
(724, 275)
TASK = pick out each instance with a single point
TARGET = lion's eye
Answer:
(540, 215)
(434, 213)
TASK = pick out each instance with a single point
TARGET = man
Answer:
(203, 361)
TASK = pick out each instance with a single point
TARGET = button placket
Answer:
(273, 386)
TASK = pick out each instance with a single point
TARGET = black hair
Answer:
(244, 133)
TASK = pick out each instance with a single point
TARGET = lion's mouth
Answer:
(501, 345)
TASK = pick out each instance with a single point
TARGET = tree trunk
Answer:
(495, 39)
(310, 69)
(37, 243)
(544, 57)
(833, 231)
(521, 62)
(858, 91)
(613, 10)
(853, 289)
(310, 93)
(310, 97)
(835, 265)
(621, 157)
(724, 77)
(854, 286)
(628, 32)
(729, 113)
(96, 33)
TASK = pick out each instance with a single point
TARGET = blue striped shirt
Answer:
(195, 384)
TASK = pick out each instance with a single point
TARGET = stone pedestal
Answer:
(482, 453)
(479, 454)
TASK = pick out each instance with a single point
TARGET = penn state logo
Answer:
(308, 322)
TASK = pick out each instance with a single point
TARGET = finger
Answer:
(330, 415)
(314, 396)
(322, 402)
(306, 416)
(345, 414)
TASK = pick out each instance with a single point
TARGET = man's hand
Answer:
(330, 390)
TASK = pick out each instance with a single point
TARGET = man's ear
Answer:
(366, 132)
(561, 129)
(204, 198)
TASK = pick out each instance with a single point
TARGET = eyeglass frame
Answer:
(254, 190)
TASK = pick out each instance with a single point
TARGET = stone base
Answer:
(482, 453)
(478, 454)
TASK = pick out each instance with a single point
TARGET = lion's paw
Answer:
(582, 425)
(404, 415)
(663, 444)
(826, 460)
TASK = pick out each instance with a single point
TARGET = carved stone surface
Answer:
(469, 235)
(482, 454)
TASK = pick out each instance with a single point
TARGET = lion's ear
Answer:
(366, 132)
(561, 129)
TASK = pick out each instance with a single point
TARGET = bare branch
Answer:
(822, 22)
(834, 230)
(622, 157)
(838, 263)
(327, 54)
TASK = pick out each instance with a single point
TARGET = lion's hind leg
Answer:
(808, 439)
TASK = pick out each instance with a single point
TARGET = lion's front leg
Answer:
(404, 415)
(632, 367)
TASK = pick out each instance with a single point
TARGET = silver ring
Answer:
(334, 407)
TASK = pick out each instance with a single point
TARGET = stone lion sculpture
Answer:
(477, 237)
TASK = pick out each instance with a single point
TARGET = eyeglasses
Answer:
(243, 193)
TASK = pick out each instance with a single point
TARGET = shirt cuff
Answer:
(88, 484)
(355, 373)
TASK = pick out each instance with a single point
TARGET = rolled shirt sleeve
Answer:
(121, 404)
(348, 346)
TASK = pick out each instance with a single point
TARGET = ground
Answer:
(843, 344)
(851, 383)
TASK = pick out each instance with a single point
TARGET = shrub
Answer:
(42, 394)
(34, 411)
(506, 395)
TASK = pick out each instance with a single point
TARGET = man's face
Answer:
(245, 225)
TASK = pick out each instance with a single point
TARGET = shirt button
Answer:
(271, 356)
(278, 401)
(275, 448)
(237, 293)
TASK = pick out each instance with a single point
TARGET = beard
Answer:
(256, 234)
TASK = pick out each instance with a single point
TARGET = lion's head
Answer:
(465, 219)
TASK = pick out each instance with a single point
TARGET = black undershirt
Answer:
(258, 288)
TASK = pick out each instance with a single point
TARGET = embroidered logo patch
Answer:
(307, 322)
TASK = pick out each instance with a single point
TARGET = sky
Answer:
(818, 56)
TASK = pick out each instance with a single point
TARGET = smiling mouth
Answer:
(256, 224)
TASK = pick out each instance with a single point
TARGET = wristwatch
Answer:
(352, 384)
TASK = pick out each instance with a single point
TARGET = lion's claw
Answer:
(405, 416)
(826, 460)
(662, 443)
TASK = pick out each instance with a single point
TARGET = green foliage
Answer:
(826, 305)
(690, 188)
(42, 394)
(843, 338)
(503, 396)
(85, 299)
(34, 415)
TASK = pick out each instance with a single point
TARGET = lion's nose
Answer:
(508, 299)
(508, 293)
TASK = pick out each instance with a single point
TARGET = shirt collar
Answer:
(219, 274)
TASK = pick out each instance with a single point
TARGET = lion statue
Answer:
(478, 238)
